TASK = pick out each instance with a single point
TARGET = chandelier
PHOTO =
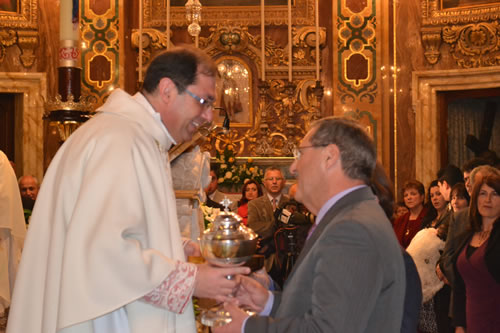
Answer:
(193, 16)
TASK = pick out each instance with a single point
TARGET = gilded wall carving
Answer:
(19, 26)
(155, 14)
(471, 32)
(282, 111)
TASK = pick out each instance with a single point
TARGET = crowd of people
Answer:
(104, 252)
(452, 237)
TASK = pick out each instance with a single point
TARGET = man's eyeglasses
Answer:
(205, 103)
(297, 150)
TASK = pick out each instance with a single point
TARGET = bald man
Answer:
(29, 186)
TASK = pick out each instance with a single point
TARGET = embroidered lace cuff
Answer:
(176, 290)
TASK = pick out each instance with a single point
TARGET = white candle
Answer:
(168, 24)
(140, 40)
(262, 41)
(290, 40)
(67, 30)
(317, 40)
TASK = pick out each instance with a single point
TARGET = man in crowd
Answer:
(467, 169)
(450, 176)
(261, 210)
(12, 233)
(104, 252)
(212, 193)
(29, 187)
(350, 276)
(261, 214)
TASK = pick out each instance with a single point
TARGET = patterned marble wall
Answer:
(359, 61)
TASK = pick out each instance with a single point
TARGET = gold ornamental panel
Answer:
(469, 27)
(270, 117)
(240, 12)
(19, 26)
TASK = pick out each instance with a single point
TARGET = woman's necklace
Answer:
(481, 237)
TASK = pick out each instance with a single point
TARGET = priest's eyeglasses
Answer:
(205, 103)
(297, 151)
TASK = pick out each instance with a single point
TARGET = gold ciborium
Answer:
(227, 243)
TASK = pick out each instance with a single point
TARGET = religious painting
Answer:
(448, 4)
(9, 6)
(234, 92)
(233, 3)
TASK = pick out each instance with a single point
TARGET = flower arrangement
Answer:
(234, 175)
(209, 215)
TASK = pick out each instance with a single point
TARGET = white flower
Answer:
(228, 175)
(223, 166)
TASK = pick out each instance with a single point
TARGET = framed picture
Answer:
(11, 6)
(449, 4)
(17, 14)
(234, 92)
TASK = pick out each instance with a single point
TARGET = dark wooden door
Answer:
(7, 124)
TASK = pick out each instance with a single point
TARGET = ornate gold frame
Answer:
(249, 108)
(20, 28)
(303, 14)
(470, 31)
(282, 111)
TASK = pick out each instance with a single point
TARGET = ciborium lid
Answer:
(228, 242)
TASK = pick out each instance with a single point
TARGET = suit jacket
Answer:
(350, 276)
(261, 215)
(211, 203)
(458, 226)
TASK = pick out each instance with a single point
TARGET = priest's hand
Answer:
(212, 282)
(192, 249)
(237, 315)
(251, 294)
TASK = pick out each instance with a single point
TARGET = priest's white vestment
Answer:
(104, 230)
(12, 230)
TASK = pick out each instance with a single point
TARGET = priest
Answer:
(104, 251)
(12, 233)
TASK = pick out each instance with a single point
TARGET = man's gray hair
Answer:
(485, 170)
(272, 168)
(357, 150)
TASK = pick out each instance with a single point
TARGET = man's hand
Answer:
(251, 294)
(460, 329)
(441, 276)
(237, 315)
(212, 282)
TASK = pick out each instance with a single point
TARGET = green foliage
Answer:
(234, 175)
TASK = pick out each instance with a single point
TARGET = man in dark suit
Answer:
(350, 276)
(261, 214)
(261, 210)
(212, 193)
